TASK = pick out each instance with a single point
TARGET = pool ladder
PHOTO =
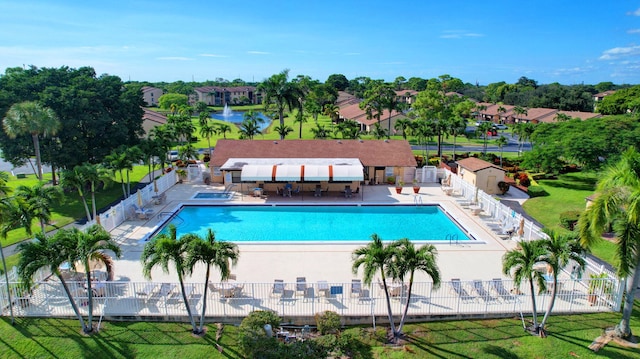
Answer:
(417, 200)
(452, 237)
(169, 214)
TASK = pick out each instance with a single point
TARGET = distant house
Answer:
(220, 96)
(495, 113)
(335, 162)
(480, 173)
(553, 117)
(150, 95)
(355, 113)
(406, 96)
(152, 119)
(533, 115)
(600, 95)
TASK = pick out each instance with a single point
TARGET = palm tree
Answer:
(39, 199)
(50, 253)
(75, 179)
(560, 250)
(301, 118)
(379, 132)
(349, 129)
(616, 207)
(280, 94)
(483, 129)
(32, 118)
(90, 245)
(283, 131)
(95, 174)
(408, 260)
(223, 128)
(320, 132)
(212, 253)
(375, 257)
(390, 101)
(162, 251)
(501, 142)
(118, 161)
(402, 125)
(333, 111)
(248, 129)
(519, 263)
(456, 126)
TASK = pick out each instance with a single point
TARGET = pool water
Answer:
(212, 195)
(310, 224)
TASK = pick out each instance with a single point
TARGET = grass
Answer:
(567, 193)
(568, 337)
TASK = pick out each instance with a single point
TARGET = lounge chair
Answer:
(318, 192)
(278, 288)
(364, 296)
(301, 285)
(347, 192)
(297, 190)
(503, 293)
(462, 293)
(309, 294)
(356, 287)
(143, 213)
(478, 286)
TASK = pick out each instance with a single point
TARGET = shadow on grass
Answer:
(575, 182)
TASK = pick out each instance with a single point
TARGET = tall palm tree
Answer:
(90, 247)
(390, 101)
(50, 253)
(75, 179)
(248, 129)
(501, 142)
(162, 251)
(402, 125)
(32, 118)
(301, 118)
(560, 250)
(95, 174)
(375, 257)
(483, 129)
(39, 199)
(212, 253)
(379, 132)
(407, 260)
(118, 162)
(456, 126)
(279, 94)
(333, 111)
(616, 206)
(222, 129)
(519, 263)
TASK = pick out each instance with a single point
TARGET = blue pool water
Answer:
(310, 224)
(212, 195)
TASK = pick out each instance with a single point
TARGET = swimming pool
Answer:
(317, 224)
(212, 195)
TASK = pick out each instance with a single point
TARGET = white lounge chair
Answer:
(143, 213)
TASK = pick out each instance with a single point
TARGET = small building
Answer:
(150, 95)
(152, 119)
(307, 163)
(482, 174)
(220, 96)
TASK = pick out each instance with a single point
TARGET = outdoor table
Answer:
(257, 192)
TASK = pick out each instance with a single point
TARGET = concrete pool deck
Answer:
(262, 263)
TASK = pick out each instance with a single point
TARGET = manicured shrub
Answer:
(253, 341)
(523, 179)
(503, 186)
(536, 191)
(328, 322)
(569, 219)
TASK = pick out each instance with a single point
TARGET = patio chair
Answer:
(356, 287)
(365, 296)
(478, 286)
(143, 213)
(347, 192)
(503, 293)
(309, 294)
(278, 288)
(301, 285)
(318, 192)
(462, 293)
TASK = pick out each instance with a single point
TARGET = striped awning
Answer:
(288, 172)
(347, 173)
(316, 173)
(257, 173)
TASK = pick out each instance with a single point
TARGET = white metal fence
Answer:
(478, 298)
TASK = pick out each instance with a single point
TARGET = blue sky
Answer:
(568, 41)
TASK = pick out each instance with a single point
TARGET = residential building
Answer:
(150, 95)
(152, 119)
(482, 174)
(220, 96)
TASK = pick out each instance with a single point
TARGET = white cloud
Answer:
(459, 34)
(258, 53)
(212, 55)
(634, 13)
(633, 31)
(174, 58)
(618, 52)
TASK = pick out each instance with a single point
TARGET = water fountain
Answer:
(226, 112)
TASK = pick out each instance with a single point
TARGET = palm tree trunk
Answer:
(124, 189)
(128, 183)
(186, 304)
(454, 147)
(553, 301)
(281, 118)
(36, 145)
(204, 303)
(93, 200)
(6, 278)
(42, 226)
(389, 312)
(72, 301)
(623, 328)
(89, 295)
(533, 304)
(84, 202)
(406, 307)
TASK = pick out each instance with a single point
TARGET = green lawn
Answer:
(568, 337)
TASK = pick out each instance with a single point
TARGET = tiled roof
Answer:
(475, 164)
(535, 113)
(207, 89)
(146, 89)
(383, 153)
(573, 114)
(353, 112)
(154, 117)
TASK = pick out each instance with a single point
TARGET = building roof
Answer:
(383, 153)
(146, 89)
(153, 116)
(535, 113)
(475, 164)
(603, 94)
(553, 117)
(208, 89)
(354, 112)
(345, 99)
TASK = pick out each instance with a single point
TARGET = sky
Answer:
(566, 41)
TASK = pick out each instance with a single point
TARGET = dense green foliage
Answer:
(328, 322)
(620, 102)
(97, 114)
